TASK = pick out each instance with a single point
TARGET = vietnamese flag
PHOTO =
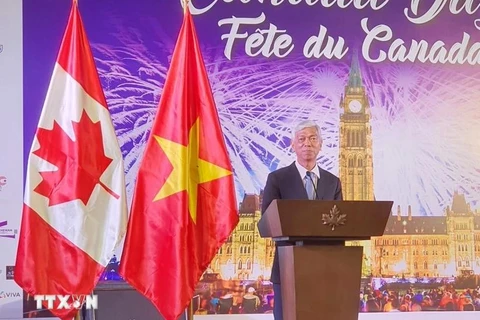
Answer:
(184, 205)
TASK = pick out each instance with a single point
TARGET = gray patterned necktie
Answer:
(309, 178)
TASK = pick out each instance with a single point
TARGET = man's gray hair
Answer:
(307, 124)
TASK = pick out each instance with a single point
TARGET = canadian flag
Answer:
(75, 208)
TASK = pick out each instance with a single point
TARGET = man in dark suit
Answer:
(303, 179)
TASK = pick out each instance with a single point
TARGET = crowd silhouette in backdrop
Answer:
(249, 301)
(447, 299)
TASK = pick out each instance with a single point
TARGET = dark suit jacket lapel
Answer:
(297, 182)
(320, 188)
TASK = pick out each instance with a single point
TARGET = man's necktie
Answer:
(309, 178)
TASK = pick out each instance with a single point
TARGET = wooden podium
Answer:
(320, 276)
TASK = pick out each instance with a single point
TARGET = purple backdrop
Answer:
(424, 115)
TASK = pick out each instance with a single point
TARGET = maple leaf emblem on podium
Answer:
(334, 218)
(80, 163)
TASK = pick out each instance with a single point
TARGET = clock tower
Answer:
(356, 163)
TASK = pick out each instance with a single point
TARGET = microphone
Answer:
(310, 174)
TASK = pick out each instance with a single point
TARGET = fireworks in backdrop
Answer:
(424, 118)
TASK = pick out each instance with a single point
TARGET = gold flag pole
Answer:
(190, 305)
(189, 310)
(78, 316)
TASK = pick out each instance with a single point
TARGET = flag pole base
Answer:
(189, 312)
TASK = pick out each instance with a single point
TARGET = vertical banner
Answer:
(394, 86)
(11, 153)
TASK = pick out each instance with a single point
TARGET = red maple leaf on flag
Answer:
(80, 163)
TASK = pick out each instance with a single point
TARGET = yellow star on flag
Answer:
(188, 169)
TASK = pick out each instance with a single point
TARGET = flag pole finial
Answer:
(185, 5)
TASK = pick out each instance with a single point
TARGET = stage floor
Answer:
(464, 315)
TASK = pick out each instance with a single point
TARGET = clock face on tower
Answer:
(355, 106)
